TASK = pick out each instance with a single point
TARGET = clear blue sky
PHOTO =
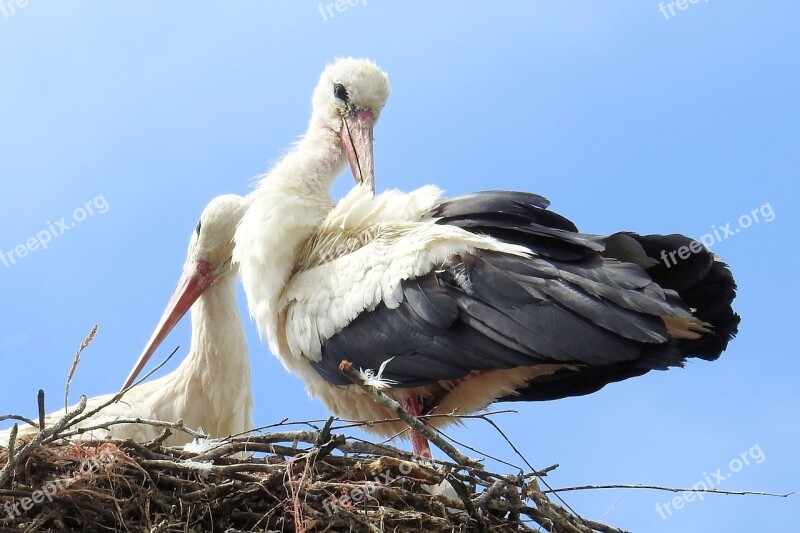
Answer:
(624, 116)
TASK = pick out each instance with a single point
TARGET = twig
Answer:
(179, 425)
(158, 441)
(40, 403)
(20, 418)
(519, 454)
(118, 396)
(495, 490)
(670, 489)
(75, 362)
(602, 528)
(347, 368)
(12, 437)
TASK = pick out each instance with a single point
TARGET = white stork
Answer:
(210, 390)
(293, 199)
(488, 297)
(459, 302)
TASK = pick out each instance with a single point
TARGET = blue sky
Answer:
(624, 116)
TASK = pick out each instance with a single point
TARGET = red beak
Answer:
(356, 137)
(195, 279)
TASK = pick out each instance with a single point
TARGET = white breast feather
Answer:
(319, 302)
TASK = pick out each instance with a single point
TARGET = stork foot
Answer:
(419, 443)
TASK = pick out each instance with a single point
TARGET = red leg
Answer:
(418, 441)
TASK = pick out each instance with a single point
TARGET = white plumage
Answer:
(359, 255)
(281, 236)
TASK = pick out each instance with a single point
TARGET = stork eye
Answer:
(197, 229)
(340, 92)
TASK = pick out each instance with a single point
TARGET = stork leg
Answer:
(419, 443)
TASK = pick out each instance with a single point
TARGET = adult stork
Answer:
(457, 302)
(488, 297)
(210, 389)
(293, 199)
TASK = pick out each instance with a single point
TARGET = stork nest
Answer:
(308, 480)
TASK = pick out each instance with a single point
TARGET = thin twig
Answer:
(347, 368)
(179, 425)
(118, 396)
(670, 489)
(20, 418)
(12, 437)
(40, 404)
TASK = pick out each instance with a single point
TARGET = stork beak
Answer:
(356, 135)
(195, 279)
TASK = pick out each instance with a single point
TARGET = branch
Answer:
(431, 434)
(40, 403)
(12, 437)
(179, 425)
(670, 489)
(20, 418)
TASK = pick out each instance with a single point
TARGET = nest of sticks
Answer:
(314, 479)
(311, 480)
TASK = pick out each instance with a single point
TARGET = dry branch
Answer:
(415, 423)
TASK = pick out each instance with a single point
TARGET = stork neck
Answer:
(311, 166)
(293, 200)
(218, 344)
(285, 209)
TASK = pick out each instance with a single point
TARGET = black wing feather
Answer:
(588, 301)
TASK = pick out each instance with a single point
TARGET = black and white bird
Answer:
(453, 304)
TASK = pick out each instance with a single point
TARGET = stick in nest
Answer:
(415, 423)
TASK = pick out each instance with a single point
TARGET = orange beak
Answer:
(356, 135)
(195, 279)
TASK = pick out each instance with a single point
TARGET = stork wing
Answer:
(468, 304)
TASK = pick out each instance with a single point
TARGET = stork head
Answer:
(208, 260)
(348, 101)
